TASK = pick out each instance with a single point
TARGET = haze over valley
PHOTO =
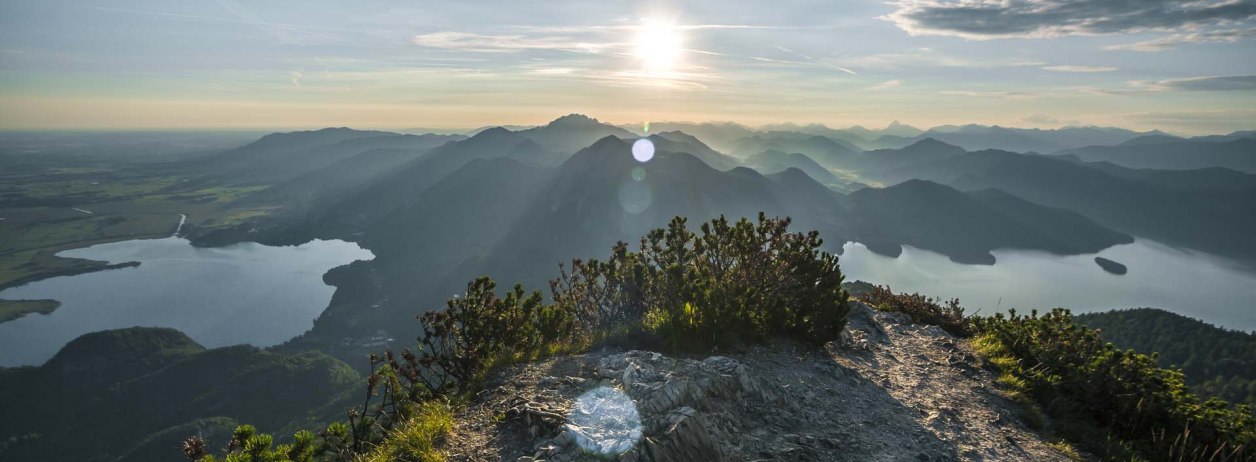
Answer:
(652, 232)
(513, 204)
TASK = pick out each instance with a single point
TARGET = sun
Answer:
(658, 46)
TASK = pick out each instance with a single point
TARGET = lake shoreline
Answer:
(11, 310)
(244, 293)
(1214, 289)
(105, 266)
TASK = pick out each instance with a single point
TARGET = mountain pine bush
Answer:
(948, 315)
(734, 283)
(1116, 403)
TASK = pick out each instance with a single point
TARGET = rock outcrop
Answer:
(888, 390)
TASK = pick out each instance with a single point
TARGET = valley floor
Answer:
(888, 391)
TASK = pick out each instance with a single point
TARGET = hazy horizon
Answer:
(635, 126)
(1178, 67)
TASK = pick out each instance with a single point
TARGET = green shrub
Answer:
(412, 440)
(1218, 362)
(247, 445)
(948, 315)
(476, 330)
(1118, 404)
(732, 284)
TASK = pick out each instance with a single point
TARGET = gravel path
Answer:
(888, 391)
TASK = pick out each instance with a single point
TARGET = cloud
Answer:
(1175, 40)
(1040, 119)
(1086, 69)
(1201, 122)
(807, 60)
(886, 85)
(991, 94)
(928, 58)
(1050, 18)
(1210, 83)
(810, 63)
(467, 41)
(633, 27)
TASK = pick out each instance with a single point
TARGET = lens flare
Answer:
(643, 150)
(605, 421)
(635, 197)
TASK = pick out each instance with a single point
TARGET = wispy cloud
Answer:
(578, 29)
(1040, 119)
(1080, 69)
(1206, 83)
(467, 41)
(1176, 40)
(886, 85)
(925, 57)
(992, 94)
(283, 32)
(1196, 121)
(822, 62)
(1052, 18)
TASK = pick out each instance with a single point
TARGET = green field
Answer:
(13, 309)
(65, 208)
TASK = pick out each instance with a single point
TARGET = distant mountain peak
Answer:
(574, 120)
(608, 142)
(933, 145)
(919, 184)
(495, 131)
(677, 135)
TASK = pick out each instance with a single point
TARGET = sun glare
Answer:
(658, 46)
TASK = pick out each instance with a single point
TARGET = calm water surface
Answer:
(1198, 285)
(242, 293)
(251, 293)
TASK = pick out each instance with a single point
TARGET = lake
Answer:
(261, 295)
(1190, 283)
(242, 293)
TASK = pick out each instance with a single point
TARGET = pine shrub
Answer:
(1115, 403)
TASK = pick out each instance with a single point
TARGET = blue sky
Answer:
(1184, 67)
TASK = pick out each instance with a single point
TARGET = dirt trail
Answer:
(888, 391)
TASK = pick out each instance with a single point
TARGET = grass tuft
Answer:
(419, 439)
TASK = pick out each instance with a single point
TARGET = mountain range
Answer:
(514, 202)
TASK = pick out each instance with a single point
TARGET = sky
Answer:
(1186, 67)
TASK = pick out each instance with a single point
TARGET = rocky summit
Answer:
(888, 390)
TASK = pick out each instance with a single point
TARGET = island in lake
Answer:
(1110, 266)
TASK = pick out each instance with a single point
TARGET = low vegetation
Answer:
(731, 284)
(1218, 362)
(727, 285)
(13, 309)
(948, 314)
(96, 399)
(1116, 404)
(46, 210)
